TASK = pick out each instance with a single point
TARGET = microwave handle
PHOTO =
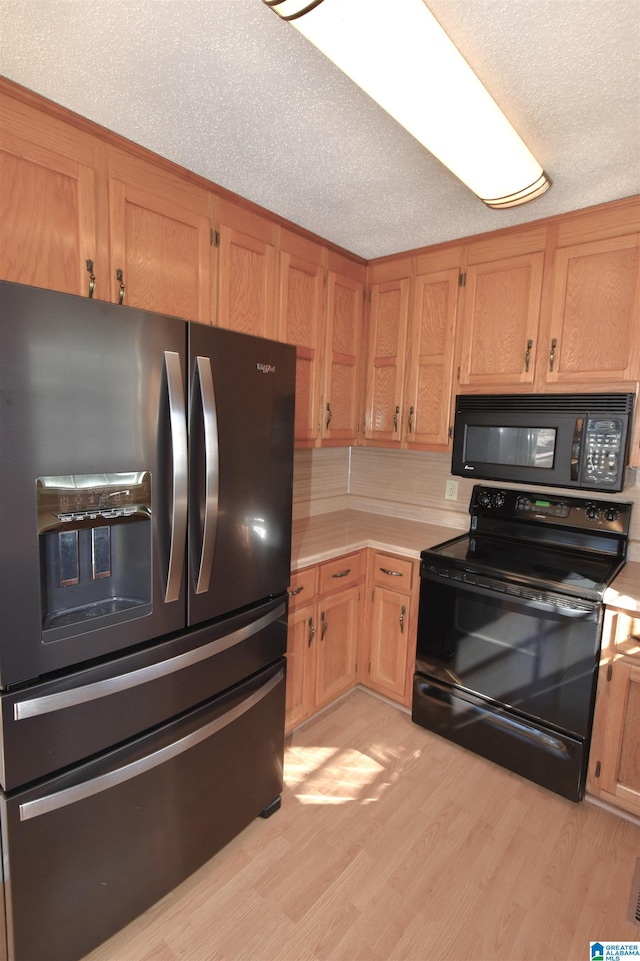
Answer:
(576, 448)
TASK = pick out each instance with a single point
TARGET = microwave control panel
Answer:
(603, 450)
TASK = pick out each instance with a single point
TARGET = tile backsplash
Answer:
(408, 484)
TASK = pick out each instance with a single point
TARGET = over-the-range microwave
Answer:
(559, 440)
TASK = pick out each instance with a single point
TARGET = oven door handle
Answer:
(564, 606)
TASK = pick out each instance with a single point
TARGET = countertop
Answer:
(324, 536)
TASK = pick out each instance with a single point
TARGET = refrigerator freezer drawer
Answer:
(59, 723)
(88, 851)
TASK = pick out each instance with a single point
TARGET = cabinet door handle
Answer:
(92, 278)
(329, 416)
(527, 356)
(411, 413)
(312, 632)
(325, 625)
(297, 590)
(633, 637)
(342, 573)
(123, 289)
(403, 611)
(552, 353)
(395, 420)
(391, 573)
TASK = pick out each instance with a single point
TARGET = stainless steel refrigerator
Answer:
(145, 519)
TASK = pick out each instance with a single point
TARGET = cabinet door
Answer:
(595, 313)
(246, 272)
(340, 415)
(48, 203)
(390, 631)
(388, 319)
(430, 359)
(301, 650)
(500, 322)
(301, 323)
(337, 640)
(620, 772)
(160, 240)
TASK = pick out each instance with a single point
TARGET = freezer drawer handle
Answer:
(36, 706)
(210, 419)
(178, 423)
(80, 792)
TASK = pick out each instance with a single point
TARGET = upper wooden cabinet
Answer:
(411, 328)
(246, 277)
(48, 217)
(160, 232)
(340, 405)
(594, 324)
(301, 322)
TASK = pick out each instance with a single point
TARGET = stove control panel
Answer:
(493, 508)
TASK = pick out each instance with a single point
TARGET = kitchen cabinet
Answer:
(614, 763)
(595, 314)
(501, 303)
(48, 202)
(411, 324)
(301, 322)
(160, 240)
(246, 270)
(393, 583)
(340, 404)
(323, 638)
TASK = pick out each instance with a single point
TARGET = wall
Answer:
(408, 484)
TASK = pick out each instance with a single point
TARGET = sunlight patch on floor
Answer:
(345, 774)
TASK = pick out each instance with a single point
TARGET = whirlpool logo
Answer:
(266, 368)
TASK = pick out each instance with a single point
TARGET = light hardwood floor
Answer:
(394, 845)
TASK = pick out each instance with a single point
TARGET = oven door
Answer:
(511, 678)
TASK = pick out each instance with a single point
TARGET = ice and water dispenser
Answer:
(95, 550)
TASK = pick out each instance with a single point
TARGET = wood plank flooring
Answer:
(395, 845)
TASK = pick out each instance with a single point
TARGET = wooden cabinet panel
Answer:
(340, 415)
(337, 645)
(300, 693)
(389, 648)
(595, 314)
(301, 323)
(430, 359)
(500, 322)
(246, 276)
(342, 572)
(48, 227)
(163, 251)
(388, 320)
(614, 762)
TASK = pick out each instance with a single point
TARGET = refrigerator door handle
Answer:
(212, 474)
(178, 425)
(79, 792)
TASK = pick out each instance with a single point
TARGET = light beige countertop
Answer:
(322, 537)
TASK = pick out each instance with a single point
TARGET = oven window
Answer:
(519, 446)
(540, 662)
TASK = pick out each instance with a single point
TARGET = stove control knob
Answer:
(612, 514)
(593, 512)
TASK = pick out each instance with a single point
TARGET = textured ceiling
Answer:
(226, 89)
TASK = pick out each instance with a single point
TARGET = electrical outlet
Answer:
(451, 490)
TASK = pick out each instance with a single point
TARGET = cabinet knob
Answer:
(296, 590)
(325, 625)
(389, 573)
(552, 353)
(342, 573)
(403, 611)
(395, 420)
(312, 632)
(411, 413)
(527, 356)
(329, 416)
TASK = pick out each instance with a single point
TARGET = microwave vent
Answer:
(545, 403)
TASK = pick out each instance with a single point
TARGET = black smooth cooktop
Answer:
(562, 571)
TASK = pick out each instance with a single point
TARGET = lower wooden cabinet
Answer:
(391, 633)
(614, 763)
(324, 632)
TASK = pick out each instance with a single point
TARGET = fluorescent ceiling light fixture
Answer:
(398, 53)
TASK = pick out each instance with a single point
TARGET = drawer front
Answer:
(341, 573)
(395, 573)
(302, 588)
